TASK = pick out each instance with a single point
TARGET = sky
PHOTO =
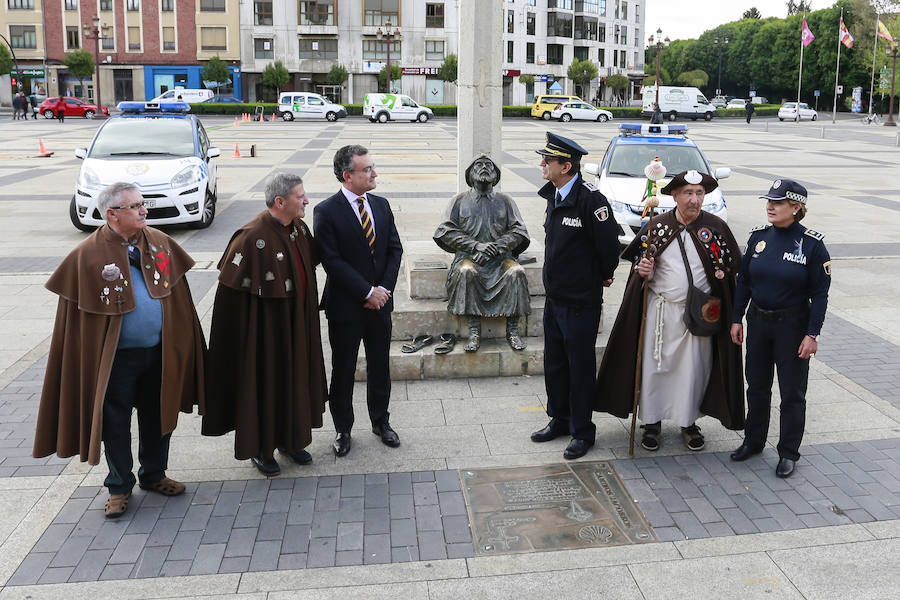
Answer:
(686, 19)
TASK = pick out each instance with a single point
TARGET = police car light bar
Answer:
(161, 107)
(645, 129)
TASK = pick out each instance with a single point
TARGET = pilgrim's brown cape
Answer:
(265, 371)
(86, 334)
(724, 397)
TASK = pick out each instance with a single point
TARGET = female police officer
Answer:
(785, 276)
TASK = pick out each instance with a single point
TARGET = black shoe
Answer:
(547, 433)
(389, 437)
(692, 437)
(577, 449)
(266, 466)
(650, 439)
(341, 444)
(301, 457)
(785, 467)
(744, 452)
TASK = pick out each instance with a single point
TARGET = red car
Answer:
(75, 107)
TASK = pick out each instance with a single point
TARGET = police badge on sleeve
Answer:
(602, 213)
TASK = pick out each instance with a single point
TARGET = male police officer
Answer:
(581, 253)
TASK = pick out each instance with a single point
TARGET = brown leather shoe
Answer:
(165, 486)
(117, 505)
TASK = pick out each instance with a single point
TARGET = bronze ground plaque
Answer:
(551, 507)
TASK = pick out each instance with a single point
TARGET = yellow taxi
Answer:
(543, 105)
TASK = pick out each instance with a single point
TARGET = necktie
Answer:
(368, 230)
(558, 198)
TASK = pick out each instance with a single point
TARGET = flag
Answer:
(886, 34)
(846, 38)
(806, 36)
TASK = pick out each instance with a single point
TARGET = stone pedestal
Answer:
(480, 83)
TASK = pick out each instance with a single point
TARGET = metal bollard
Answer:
(767, 127)
(253, 150)
(898, 140)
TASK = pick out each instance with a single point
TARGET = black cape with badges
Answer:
(724, 397)
(265, 371)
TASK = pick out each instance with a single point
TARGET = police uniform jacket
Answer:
(785, 267)
(581, 245)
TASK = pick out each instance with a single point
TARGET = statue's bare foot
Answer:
(474, 343)
(515, 342)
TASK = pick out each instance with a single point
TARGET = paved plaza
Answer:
(395, 523)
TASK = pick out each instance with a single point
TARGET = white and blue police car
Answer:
(621, 173)
(163, 150)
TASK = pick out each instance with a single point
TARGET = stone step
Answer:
(417, 317)
(427, 275)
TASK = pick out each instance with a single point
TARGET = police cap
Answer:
(786, 189)
(563, 148)
(691, 178)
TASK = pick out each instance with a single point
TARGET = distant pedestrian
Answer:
(657, 116)
(60, 108)
(16, 106)
(748, 106)
(32, 100)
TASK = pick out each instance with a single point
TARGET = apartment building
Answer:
(22, 24)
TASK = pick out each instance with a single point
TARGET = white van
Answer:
(186, 95)
(394, 107)
(306, 105)
(677, 102)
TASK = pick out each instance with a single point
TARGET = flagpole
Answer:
(874, 53)
(837, 69)
(800, 76)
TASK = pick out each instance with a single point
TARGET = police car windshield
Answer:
(630, 159)
(137, 136)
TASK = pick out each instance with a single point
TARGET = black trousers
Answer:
(375, 333)
(773, 338)
(134, 382)
(570, 367)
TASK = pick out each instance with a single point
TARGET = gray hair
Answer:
(112, 195)
(281, 184)
(343, 159)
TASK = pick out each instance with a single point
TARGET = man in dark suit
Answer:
(360, 250)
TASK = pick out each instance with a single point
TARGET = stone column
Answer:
(480, 83)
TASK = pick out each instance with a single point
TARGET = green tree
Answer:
(696, 78)
(216, 71)
(80, 63)
(618, 83)
(524, 78)
(6, 62)
(275, 75)
(650, 70)
(382, 75)
(337, 75)
(751, 13)
(449, 68)
(582, 71)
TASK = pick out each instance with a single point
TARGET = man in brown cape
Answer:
(682, 375)
(126, 336)
(266, 375)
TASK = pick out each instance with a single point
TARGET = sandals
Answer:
(692, 437)
(650, 440)
(165, 486)
(419, 342)
(448, 342)
(116, 505)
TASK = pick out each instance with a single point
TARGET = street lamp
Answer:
(95, 32)
(889, 122)
(719, 80)
(660, 42)
(15, 62)
(388, 34)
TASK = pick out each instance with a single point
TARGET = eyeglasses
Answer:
(135, 206)
(366, 170)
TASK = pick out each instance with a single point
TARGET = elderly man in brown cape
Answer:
(682, 375)
(126, 336)
(487, 234)
(266, 375)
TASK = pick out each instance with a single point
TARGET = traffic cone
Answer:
(43, 150)
(273, 117)
(237, 151)
(236, 123)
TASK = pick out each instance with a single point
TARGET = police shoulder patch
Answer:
(589, 185)
(761, 227)
(814, 234)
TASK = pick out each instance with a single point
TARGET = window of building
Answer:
(213, 38)
(434, 16)
(379, 12)
(22, 36)
(108, 42)
(554, 54)
(616, 35)
(601, 32)
(581, 52)
(317, 12)
(601, 56)
(212, 6)
(624, 12)
(133, 5)
(377, 49)
(106, 5)
(529, 93)
(585, 28)
(73, 40)
(263, 48)
(434, 49)
(262, 13)
(168, 36)
(530, 22)
(167, 5)
(510, 21)
(530, 2)
(637, 37)
(134, 38)
(601, 7)
(622, 60)
(637, 13)
(559, 24)
(616, 12)
(318, 47)
(529, 53)
(71, 4)
(20, 4)
(566, 4)
(590, 6)
(510, 47)
(624, 38)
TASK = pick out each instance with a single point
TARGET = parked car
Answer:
(719, 102)
(163, 150)
(736, 103)
(224, 100)
(788, 110)
(759, 100)
(677, 101)
(580, 111)
(543, 105)
(180, 94)
(75, 107)
(620, 175)
(306, 105)
(394, 107)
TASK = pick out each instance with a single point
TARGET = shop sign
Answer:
(512, 72)
(420, 70)
(27, 72)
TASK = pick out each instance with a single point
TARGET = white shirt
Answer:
(564, 190)
(351, 198)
